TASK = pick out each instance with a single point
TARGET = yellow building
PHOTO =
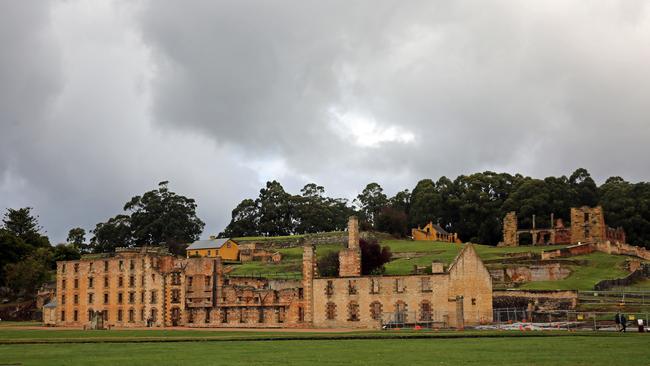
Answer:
(225, 248)
(434, 232)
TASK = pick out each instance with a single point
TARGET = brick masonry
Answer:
(137, 288)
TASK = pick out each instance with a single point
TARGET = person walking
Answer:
(623, 323)
(639, 322)
(617, 320)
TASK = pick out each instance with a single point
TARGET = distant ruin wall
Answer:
(587, 224)
(605, 247)
(570, 251)
(622, 249)
(528, 273)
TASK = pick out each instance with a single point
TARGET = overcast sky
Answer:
(101, 100)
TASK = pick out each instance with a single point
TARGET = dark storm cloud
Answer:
(538, 87)
(100, 102)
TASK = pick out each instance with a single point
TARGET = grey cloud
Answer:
(482, 85)
(100, 103)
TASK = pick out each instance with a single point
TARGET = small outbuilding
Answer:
(225, 248)
(49, 314)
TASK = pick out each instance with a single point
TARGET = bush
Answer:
(328, 265)
(373, 256)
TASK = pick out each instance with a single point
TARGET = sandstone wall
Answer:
(510, 238)
(587, 224)
(528, 273)
(465, 289)
(570, 251)
(83, 286)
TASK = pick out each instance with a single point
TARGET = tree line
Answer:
(27, 259)
(471, 205)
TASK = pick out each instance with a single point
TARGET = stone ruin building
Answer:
(142, 287)
(587, 226)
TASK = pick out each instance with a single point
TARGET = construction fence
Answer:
(523, 319)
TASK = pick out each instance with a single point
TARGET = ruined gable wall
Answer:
(469, 278)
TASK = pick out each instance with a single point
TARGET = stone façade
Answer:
(142, 287)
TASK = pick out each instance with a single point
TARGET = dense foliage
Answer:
(471, 205)
(373, 258)
(158, 217)
(26, 256)
(276, 212)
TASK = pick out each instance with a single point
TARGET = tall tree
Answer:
(392, 221)
(370, 202)
(244, 221)
(425, 203)
(12, 250)
(77, 237)
(161, 216)
(584, 187)
(275, 207)
(23, 224)
(116, 232)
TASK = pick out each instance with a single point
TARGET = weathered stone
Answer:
(510, 237)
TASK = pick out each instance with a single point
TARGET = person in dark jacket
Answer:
(617, 320)
(623, 322)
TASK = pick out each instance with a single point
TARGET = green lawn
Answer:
(567, 349)
(600, 266)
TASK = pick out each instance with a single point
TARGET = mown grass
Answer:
(629, 349)
(599, 266)
(12, 324)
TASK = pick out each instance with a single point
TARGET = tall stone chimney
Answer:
(350, 257)
(309, 269)
(353, 232)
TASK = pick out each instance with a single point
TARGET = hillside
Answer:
(583, 271)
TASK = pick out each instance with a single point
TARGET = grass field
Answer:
(209, 348)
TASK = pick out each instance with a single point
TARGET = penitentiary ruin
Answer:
(146, 287)
(587, 226)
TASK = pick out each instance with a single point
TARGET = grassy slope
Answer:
(599, 265)
(291, 263)
(630, 349)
